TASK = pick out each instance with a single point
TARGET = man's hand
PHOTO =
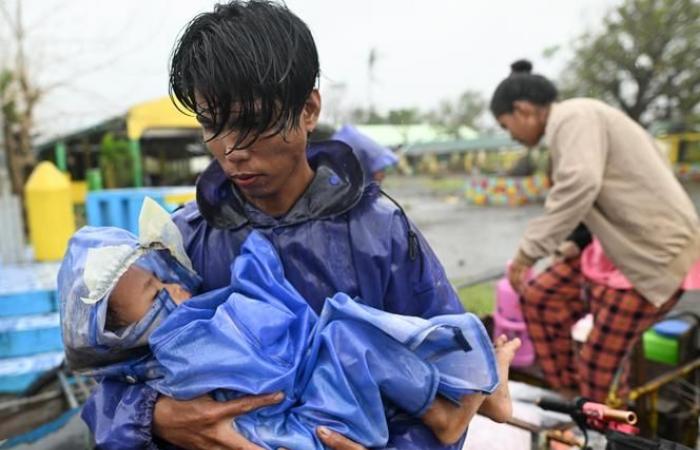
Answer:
(336, 441)
(203, 423)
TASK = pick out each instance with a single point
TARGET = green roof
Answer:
(483, 143)
(395, 135)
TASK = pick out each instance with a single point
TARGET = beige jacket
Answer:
(608, 173)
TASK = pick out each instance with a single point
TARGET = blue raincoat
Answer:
(337, 370)
(89, 345)
(341, 236)
(373, 156)
(260, 336)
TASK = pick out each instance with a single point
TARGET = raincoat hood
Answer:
(336, 187)
(95, 260)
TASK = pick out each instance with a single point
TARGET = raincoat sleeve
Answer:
(120, 415)
(417, 286)
(407, 279)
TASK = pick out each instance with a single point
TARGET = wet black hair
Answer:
(254, 65)
(522, 84)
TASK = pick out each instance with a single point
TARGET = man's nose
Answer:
(231, 152)
(236, 154)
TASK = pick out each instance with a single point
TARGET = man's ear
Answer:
(311, 112)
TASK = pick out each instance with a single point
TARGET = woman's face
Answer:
(526, 123)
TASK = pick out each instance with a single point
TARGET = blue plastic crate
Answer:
(21, 279)
(119, 207)
(29, 335)
(16, 374)
(28, 303)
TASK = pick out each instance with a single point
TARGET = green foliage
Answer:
(478, 299)
(115, 162)
(645, 59)
(401, 116)
(8, 110)
(404, 116)
(465, 111)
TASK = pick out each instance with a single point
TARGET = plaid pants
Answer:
(553, 302)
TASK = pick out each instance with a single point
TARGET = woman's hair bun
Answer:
(521, 66)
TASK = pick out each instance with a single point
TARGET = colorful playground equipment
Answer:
(158, 143)
(507, 191)
(687, 171)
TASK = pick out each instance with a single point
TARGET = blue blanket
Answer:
(348, 368)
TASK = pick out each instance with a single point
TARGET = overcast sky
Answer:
(106, 56)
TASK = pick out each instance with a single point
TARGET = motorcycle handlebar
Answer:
(589, 409)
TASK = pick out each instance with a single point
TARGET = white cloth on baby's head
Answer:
(105, 265)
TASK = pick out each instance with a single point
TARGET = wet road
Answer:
(471, 240)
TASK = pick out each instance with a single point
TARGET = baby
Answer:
(347, 368)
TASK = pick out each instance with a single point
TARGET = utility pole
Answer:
(371, 79)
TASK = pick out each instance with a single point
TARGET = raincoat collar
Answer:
(336, 188)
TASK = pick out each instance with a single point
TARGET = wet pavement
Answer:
(471, 241)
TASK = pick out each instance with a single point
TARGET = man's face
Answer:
(273, 162)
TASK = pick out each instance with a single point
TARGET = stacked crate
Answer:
(30, 334)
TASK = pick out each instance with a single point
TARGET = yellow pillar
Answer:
(49, 205)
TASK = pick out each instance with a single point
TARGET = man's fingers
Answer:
(336, 441)
(250, 403)
(237, 443)
(224, 437)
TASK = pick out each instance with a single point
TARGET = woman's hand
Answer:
(205, 424)
(516, 275)
(567, 250)
(517, 271)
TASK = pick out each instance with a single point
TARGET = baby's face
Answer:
(135, 292)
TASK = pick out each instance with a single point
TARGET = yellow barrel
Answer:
(179, 197)
(78, 191)
(49, 204)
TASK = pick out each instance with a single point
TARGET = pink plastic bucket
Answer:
(508, 319)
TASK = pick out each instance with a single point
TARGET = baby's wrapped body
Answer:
(347, 368)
